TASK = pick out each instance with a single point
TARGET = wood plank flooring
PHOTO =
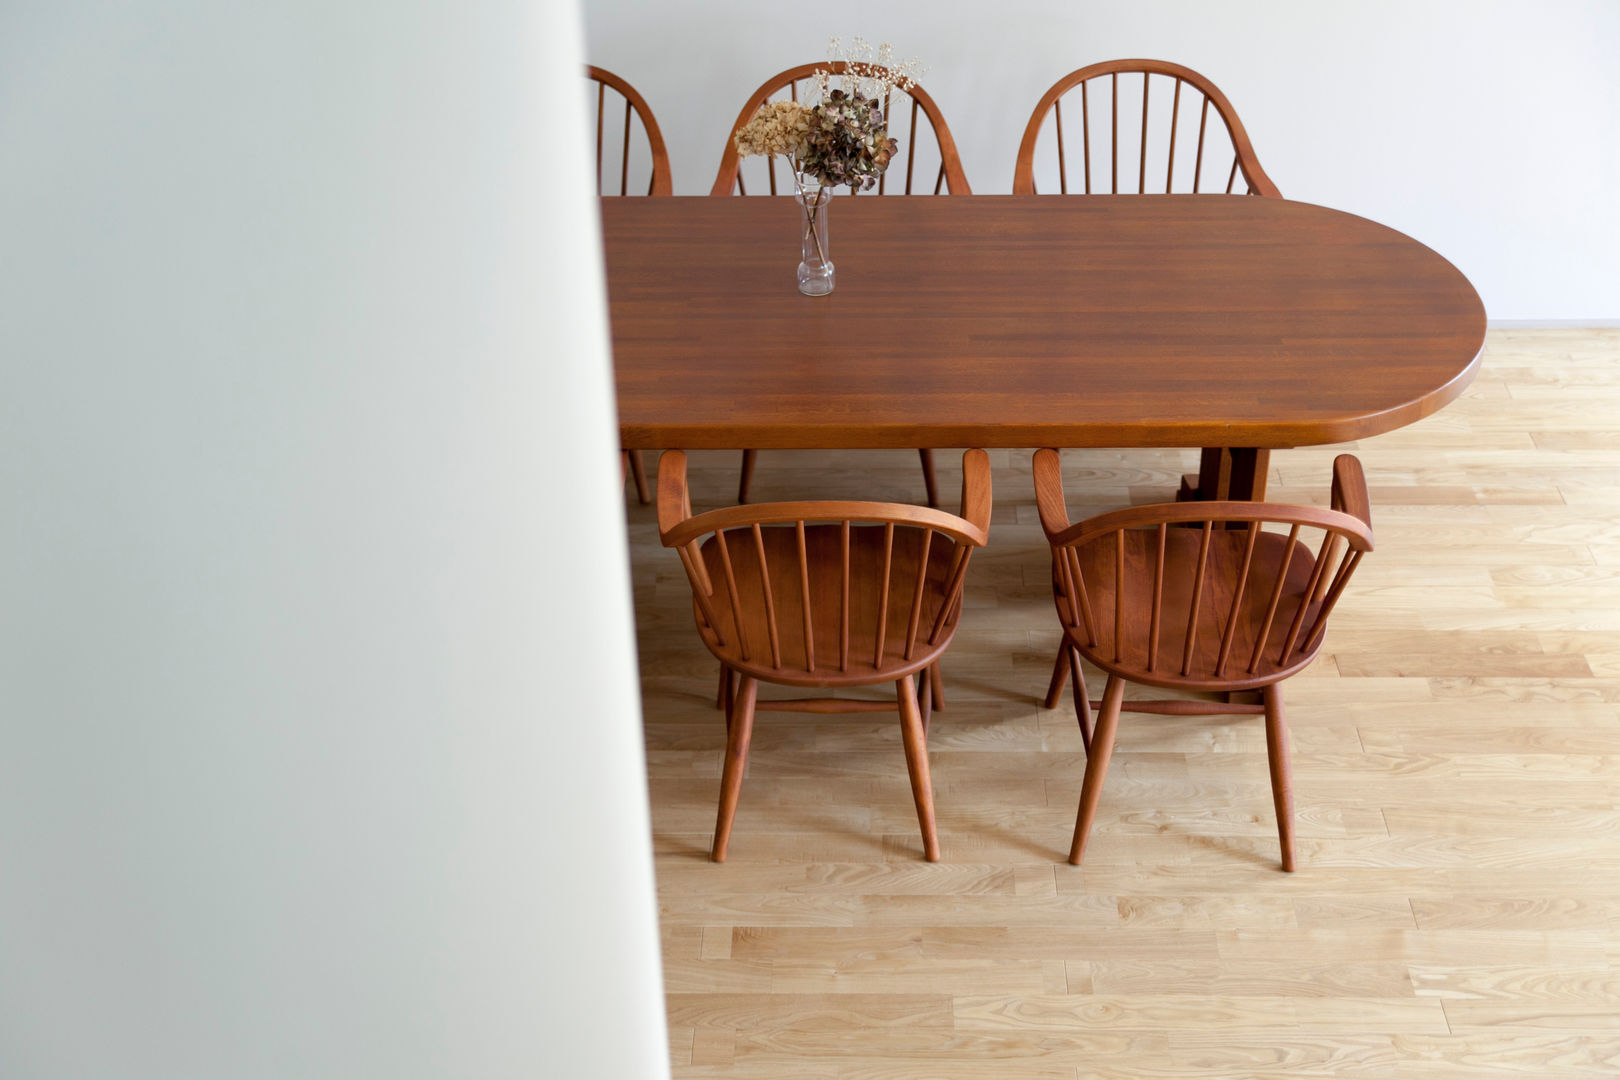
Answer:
(1456, 770)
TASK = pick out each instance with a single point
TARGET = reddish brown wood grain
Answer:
(826, 594)
(1254, 612)
(1175, 320)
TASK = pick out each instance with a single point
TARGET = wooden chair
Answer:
(825, 594)
(1201, 608)
(657, 184)
(1156, 141)
(903, 125)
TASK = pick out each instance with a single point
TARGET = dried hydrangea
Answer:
(779, 127)
(848, 141)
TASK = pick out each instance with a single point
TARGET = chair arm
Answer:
(674, 501)
(1350, 489)
(976, 489)
(1049, 492)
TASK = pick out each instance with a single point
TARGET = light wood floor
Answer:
(1457, 778)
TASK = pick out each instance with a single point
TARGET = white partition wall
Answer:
(1488, 129)
(319, 739)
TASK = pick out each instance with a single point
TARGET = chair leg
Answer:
(925, 698)
(1082, 702)
(747, 479)
(922, 790)
(639, 471)
(936, 686)
(737, 740)
(928, 477)
(1282, 784)
(1102, 748)
(1060, 678)
(722, 693)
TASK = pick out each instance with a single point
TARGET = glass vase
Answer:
(816, 265)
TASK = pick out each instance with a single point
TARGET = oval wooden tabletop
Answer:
(1027, 321)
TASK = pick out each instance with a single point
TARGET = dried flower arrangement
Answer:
(841, 139)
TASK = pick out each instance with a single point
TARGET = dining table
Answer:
(1237, 324)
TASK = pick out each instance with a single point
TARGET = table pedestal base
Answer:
(1236, 473)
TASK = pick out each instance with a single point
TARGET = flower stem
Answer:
(812, 209)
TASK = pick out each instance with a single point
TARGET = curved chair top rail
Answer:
(790, 513)
(1244, 160)
(728, 180)
(660, 184)
(1242, 589)
(677, 526)
(1350, 515)
(1355, 531)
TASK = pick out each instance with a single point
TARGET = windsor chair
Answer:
(1162, 121)
(948, 176)
(658, 183)
(1164, 596)
(830, 595)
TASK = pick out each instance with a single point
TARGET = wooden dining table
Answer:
(1236, 324)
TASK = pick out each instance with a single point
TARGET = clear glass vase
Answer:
(816, 265)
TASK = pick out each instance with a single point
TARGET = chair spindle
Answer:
(770, 599)
(843, 608)
(1119, 595)
(1085, 597)
(804, 599)
(959, 563)
(732, 595)
(918, 592)
(1198, 163)
(911, 152)
(883, 177)
(1141, 168)
(1175, 110)
(1318, 575)
(1197, 599)
(1158, 598)
(1276, 598)
(694, 567)
(1230, 635)
(1113, 153)
(1085, 134)
(601, 104)
(1340, 580)
(624, 162)
(1063, 172)
(883, 593)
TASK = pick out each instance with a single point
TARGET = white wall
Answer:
(1488, 129)
(319, 742)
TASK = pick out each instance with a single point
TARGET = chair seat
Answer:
(825, 664)
(1225, 559)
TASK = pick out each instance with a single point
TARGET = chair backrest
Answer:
(1159, 124)
(1202, 594)
(816, 592)
(903, 124)
(655, 156)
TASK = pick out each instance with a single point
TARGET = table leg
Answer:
(1227, 473)
(1247, 481)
